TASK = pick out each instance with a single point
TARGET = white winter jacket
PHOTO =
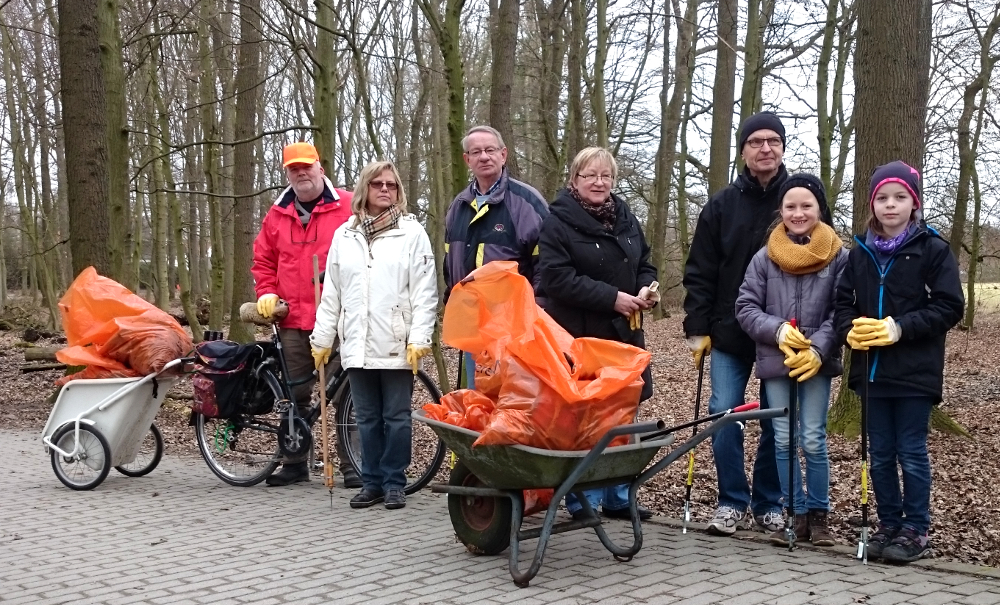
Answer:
(378, 297)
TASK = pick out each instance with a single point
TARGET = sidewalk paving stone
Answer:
(179, 535)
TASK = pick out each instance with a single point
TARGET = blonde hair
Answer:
(359, 201)
(589, 156)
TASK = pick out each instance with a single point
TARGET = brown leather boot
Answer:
(818, 527)
(801, 525)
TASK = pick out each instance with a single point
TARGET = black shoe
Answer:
(351, 479)
(580, 515)
(880, 539)
(292, 472)
(366, 498)
(906, 547)
(624, 513)
(395, 498)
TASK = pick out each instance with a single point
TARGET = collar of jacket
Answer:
(498, 195)
(569, 211)
(286, 199)
(353, 226)
(923, 230)
(748, 184)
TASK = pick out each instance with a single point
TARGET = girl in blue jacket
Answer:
(794, 277)
(898, 297)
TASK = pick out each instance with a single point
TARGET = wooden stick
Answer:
(327, 467)
(39, 367)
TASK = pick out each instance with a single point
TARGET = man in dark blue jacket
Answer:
(732, 226)
(495, 218)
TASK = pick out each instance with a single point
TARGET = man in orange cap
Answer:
(299, 224)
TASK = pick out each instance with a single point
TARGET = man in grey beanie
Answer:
(733, 226)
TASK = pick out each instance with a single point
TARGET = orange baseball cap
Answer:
(298, 153)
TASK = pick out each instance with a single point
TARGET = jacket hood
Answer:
(467, 194)
(567, 209)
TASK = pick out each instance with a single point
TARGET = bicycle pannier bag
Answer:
(222, 372)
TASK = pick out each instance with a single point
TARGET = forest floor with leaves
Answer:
(965, 472)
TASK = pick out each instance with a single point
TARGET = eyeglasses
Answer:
(593, 178)
(772, 142)
(475, 153)
(378, 185)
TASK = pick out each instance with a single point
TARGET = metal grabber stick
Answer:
(694, 431)
(863, 544)
(793, 401)
(327, 466)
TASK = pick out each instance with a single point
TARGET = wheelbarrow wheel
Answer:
(149, 455)
(482, 523)
(89, 466)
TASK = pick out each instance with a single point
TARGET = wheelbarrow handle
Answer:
(740, 409)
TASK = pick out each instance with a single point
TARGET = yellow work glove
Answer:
(321, 356)
(635, 320)
(699, 346)
(650, 292)
(414, 353)
(875, 332)
(855, 342)
(804, 364)
(789, 338)
(266, 304)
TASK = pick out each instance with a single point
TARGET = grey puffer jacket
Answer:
(769, 297)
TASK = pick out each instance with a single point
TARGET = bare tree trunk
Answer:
(117, 137)
(85, 124)
(325, 86)
(553, 51)
(247, 74)
(576, 132)
(973, 275)
(722, 97)
(447, 32)
(504, 45)
(598, 102)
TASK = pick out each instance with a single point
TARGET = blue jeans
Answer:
(468, 372)
(612, 498)
(382, 410)
(811, 411)
(729, 382)
(897, 433)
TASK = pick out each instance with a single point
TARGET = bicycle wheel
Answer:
(150, 453)
(427, 450)
(242, 450)
(89, 466)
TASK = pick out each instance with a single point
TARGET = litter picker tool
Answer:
(863, 544)
(793, 453)
(694, 431)
(327, 466)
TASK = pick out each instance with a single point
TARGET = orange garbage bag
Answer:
(110, 329)
(465, 408)
(552, 391)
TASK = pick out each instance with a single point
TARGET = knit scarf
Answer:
(604, 212)
(802, 259)
(373, 225)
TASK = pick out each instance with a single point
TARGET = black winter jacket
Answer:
(920, 289)
(583, 267)
(731, 228)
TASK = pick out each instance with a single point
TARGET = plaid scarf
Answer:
(373, 225)
(604, 212)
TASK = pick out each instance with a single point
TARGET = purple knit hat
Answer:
(895, 172)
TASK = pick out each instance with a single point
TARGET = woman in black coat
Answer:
(595, 272)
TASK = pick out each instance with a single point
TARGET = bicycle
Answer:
(246, 448)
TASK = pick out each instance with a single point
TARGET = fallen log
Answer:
(41, 353)
(40, 367)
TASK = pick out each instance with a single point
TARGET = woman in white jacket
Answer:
(380, 296)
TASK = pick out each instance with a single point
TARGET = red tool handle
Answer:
(746, 407)
(793, 322)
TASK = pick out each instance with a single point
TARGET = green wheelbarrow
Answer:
(485, 492)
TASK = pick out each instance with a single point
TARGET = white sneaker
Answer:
(727, 520)
(770, 521)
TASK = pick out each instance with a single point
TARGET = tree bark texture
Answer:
(85, 122)
(720, 153)
(504, 47)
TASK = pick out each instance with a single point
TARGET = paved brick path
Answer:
(180, 535)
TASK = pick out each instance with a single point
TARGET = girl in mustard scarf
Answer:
(794, 277)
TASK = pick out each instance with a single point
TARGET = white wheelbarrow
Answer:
(101, 423)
